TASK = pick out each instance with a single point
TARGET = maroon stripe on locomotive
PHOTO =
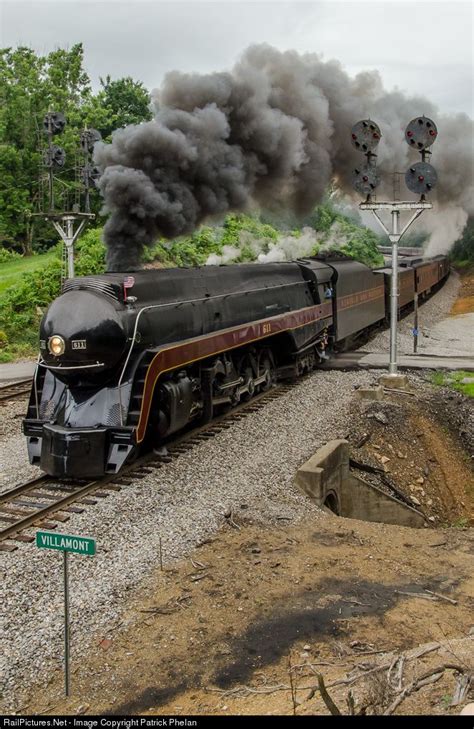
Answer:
(199, 348)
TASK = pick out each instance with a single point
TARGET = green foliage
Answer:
(13, 267)
(123, 102)
(323, 218)
(30, 85)
(236, 224)
(361, 244)
(193, 250)
(23, 305)
(7, 256)
(454, 380)
(463, 249)
(90, 253)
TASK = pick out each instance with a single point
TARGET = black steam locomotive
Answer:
(129, 359)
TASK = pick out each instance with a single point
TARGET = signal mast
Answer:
(420, 178)
(71, 221)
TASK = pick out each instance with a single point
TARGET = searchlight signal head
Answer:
(420, 133)
(365, 179)
(365, 135)
(421, 178)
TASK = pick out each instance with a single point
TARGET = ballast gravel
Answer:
(248, 469)
(430, 313)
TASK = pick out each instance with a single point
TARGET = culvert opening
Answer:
(327, 479)
(331, 502)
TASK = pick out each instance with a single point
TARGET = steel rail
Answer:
(15, 389)
(59, 505)
(152, 459)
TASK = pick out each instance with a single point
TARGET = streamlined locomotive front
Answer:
(83, 340)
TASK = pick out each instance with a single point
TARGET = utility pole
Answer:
(420, 178)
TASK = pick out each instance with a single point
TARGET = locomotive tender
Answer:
(128, 359)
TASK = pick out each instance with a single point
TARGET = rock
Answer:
(380, 417)
(307, 647)
(429, 502)
(420, 480)
(431, 518)
(415, 500)
(384, 459)
(400, 454)
(411, 487)
(467, 380)
(82, 708)
(105, 644)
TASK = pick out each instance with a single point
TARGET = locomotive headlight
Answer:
(56, 345)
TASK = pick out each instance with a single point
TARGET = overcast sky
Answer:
(420, 47)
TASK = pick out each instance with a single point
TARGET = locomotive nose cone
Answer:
(82, 329)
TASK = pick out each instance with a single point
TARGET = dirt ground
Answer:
(245, 625)
(420, 451)
(464, 304)
(218, 633)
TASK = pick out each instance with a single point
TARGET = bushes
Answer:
(7, 256)
(23, 305)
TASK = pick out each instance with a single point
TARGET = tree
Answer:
(463, 249)
(126, 102)
(30, 86)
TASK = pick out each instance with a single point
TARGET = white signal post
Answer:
(394, 235)
(420, 178)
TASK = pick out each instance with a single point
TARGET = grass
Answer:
(454, 380)
(11, 272)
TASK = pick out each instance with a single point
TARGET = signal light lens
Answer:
(365, 178)
(56, 345)
(409, 133)
(432, 133)
(420, 178)
(354, 136)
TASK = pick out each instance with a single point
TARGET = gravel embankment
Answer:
(248, 468)
(14, 465)
(430, 314)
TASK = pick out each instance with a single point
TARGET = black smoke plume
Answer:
(272, 132)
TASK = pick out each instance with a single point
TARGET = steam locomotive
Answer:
(129, 359)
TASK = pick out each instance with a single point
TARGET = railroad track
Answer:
(45, 501)
(15, 389)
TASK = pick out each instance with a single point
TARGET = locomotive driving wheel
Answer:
(249, 384)
(266, 369)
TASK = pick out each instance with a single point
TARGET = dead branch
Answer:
(442, 597)
(431, 676)
(198, 565)
(416, 594)
(292, 685)
(330, 705)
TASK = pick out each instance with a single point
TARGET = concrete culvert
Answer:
(332, 503)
